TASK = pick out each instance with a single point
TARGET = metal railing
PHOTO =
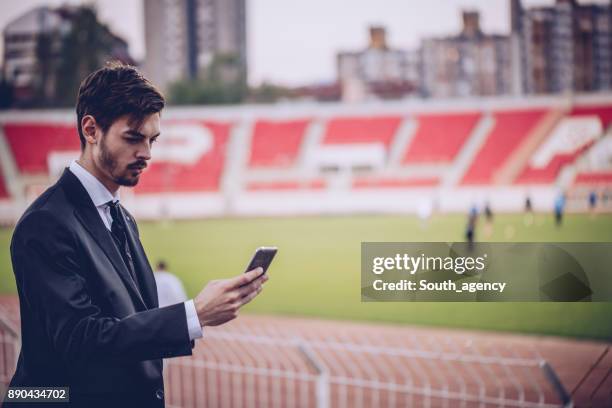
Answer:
(255, 366)
(300, 364)
(240, 370)
(10, 344)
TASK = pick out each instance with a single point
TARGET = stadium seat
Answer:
(548, 174)
(439, 137)
(367, 183)
(276, 143)
(201, 176)
(510, 130)
(350, 130)
(317, 184)
(570, 138)
(31, 143)
(604, 112)
(594, 178)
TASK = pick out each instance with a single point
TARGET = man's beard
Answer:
(109, 163)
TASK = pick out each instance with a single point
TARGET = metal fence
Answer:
(297, 363)
(10, 344)
(239, 370)
(231, 368)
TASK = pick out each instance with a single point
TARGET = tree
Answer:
(44, 89)
(64, 59)
(222, 82)
(269, 93)
(6, 94)
(84, 49)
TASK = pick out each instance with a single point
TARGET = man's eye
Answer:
(153, 140)
(132, 140)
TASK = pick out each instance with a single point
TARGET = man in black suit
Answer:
(89, 310)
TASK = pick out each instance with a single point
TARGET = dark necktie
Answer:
(118, 230)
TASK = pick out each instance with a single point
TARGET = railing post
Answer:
(322, 384)
(556, 383)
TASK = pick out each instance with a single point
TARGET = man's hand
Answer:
(220, 300)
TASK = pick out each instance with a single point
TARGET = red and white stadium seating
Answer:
(357, 130)
(439, 137)
(317, 184)
(184, 172)
(276, 144)
(595, 178)
(32, 143)
(510, 130)
(245, 159)
(603, 112)
(382, 183)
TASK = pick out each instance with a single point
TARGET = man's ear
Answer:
(89, 126)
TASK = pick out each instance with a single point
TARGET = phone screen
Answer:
(263, 258)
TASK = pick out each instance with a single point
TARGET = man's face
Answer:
(123, 152)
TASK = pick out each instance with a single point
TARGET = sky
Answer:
(294, 42)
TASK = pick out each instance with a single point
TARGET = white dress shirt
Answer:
(100, 196)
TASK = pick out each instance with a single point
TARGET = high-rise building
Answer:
(537, 59)
(377, 71)
(471, 63)
(166, 41)
(183, 38)
(566, 47)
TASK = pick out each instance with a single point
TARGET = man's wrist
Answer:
(193, 322)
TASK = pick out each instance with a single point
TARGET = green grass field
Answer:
(317, 269)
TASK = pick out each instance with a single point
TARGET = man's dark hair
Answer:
(115, 91)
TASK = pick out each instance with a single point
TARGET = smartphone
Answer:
(262, 258)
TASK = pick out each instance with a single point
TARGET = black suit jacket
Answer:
(84, 322)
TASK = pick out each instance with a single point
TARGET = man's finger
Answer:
(247, 289)
(251, 296)
(244, 278)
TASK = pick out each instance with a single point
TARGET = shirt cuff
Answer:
(193, 323)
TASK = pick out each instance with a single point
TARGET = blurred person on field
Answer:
(592, 202)
(424, 211)
(559, 208)
(488, 213)
(170, 289)
(470, 228)
(528, 219)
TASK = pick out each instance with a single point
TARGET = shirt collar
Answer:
(98, 193)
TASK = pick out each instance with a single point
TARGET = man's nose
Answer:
(144, 152)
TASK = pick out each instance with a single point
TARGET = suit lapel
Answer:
(143, 269)
(88, 215)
